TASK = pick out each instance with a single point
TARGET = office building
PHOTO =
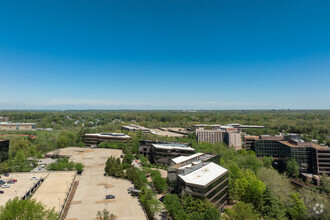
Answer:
(95, 139)
(4, 150)
(163, 153)
(311, 158)
(197, 176)
(210, 136)
(145, 146)
(8, 126)
(231, 137)
(4, 119)
(134, 128)
(234, 139)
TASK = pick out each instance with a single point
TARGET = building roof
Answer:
(316, 146)
(173, 146)
(120, 135)
(185, 158)
(204, 175)
(15, 123)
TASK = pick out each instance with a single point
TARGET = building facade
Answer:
(4, 119)
(231, 137)
(7, 126)
(311, 158)
(4, 150)
(95, 139)
(210, 136)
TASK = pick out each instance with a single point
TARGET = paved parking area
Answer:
(54, 190)
(94, 186)
(21, 187)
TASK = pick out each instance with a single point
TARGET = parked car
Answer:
(15, 180)
(10, 182)
(6, 174)
(110, 197)
(2, 192)
(2, 182)
(130, 189)
(34, 178)
(5, 186)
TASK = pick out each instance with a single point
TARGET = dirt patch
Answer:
(75, 202)
(105, 185)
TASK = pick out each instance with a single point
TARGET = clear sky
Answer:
(165, 54)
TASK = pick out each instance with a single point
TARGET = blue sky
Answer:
(185, 54)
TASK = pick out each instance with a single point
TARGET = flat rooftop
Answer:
(316, 146)
(120, 135)
(204, 175)
(185, 158)
(173, 147)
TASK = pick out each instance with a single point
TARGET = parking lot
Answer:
(21, 187)
(94, 186)
(55, 188)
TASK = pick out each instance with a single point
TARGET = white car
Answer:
(5, 186)
(34, 178)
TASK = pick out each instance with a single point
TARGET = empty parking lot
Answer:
(94, 186)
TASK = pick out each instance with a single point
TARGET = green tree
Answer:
(241, 211)
(149, 202)
(272, 208)
(267, 161)
(173, 206)
(292, 167)
(26, 209)
(297, 210)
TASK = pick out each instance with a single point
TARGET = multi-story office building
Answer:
(7, 126)
(163, 153)
(95, 139)
(133, 128)
(234, 139)
(4, 150)
(194, 176)
(230, 137)
(249, 141)
(312, 158)
(211, 136)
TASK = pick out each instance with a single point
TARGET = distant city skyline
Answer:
(175, 55)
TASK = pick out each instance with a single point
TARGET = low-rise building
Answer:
(197, 176)
(4, 119)
(8, 126)
(145, 146)
(4, 150)
(163, 153)
(134, 128)
(95, 139)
